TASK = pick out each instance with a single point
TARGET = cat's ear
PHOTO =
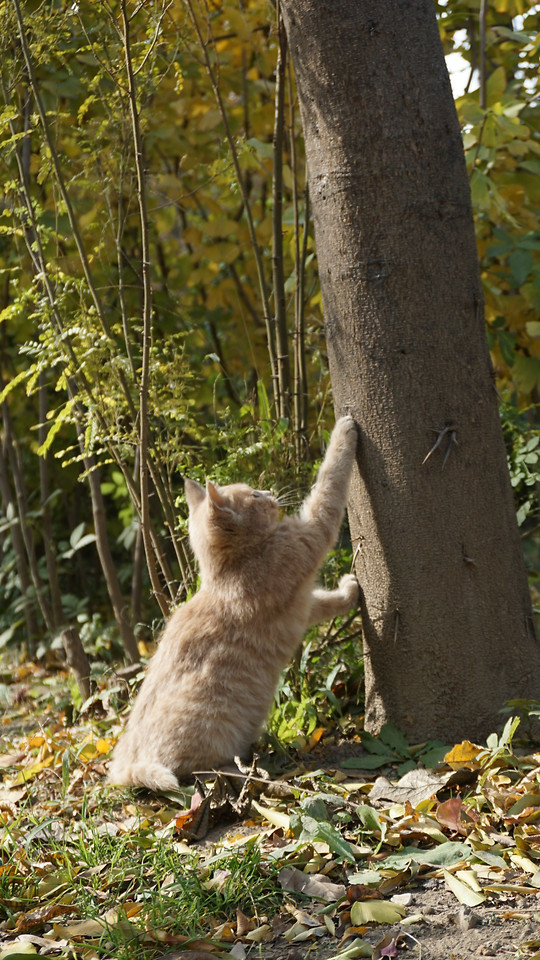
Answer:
(215, 498)
(195, 494)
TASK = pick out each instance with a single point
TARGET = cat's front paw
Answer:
(346, 423)
(345, 433)
(350, 588)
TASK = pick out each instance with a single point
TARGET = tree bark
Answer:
(447, 617)
(78, 661)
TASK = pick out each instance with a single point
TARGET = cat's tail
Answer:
(153, 776)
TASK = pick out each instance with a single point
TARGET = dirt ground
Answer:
(445, 930)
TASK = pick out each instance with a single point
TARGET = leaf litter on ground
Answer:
(319, 849)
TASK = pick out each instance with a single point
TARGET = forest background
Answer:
(160, 312)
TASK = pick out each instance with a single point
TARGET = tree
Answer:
(446, 610)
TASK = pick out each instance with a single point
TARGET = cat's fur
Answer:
(209, 686)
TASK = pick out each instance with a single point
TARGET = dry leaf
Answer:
(414, 786)
(315, 885)
(471, 898)
(376, 911)
(463, 755)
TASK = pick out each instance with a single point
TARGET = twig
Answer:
(483, 18)
(268, 320)
(448, 432)
(146, 320)
(282, 340)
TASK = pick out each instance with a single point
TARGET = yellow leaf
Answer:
(259, 934)
(28, 773)
(464, 893)
(273, 816)
(463, 755)
(375, 911)
(17, 949)
(36, 741)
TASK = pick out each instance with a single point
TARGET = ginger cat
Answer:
(210, 684)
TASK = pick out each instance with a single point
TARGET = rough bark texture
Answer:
(446, 611)
(77, 660)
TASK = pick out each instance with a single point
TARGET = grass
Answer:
(76, 852)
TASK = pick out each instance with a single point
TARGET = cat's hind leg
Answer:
(326, 604)
(154, 776)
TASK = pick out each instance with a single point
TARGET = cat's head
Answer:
(228, 517)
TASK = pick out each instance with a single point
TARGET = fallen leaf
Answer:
(463, 755)
(11, 759)
(259, 934)
(273, 816)
(313, 885)
(357, 948)
(415, 786)
(446, 854)
(35, 919)
(449, 815)
(359, 891)
(464, 893)
(243, 923)
(387, 947)
(376, 911)
(18, 949)
(522, 805)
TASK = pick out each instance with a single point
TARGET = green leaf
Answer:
(59, 420)
(264, 405)
(493, 859)
(495, 86)
(394, 738)
(528, 800)
(11, 384)
(526, 372)
(369, 818)
(313, 830)
(445, 855)
(370, 762)
(357, 948)
(315, 807)
(480, 192)
(521, 264)
(65, 769)
(264, 150)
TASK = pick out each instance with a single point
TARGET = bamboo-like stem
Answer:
(146, 318)
(73, 223)
(57, 613)
(482, 58)
(145, 265)
(102, 539)
(282, 339)
(301, 381)
(36, 252)
(300, 252)
(17, 541)
(268, 319)
(22, 512)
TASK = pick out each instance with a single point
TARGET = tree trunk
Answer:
(448, 626)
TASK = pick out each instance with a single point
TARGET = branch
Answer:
(268, 320)
(146, 318)
(483, 19)
(282, 340)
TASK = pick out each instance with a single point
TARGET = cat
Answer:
(210, 684)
